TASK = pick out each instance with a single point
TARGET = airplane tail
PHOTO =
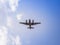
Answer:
(31, 27)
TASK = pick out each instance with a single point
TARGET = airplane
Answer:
(30, 23)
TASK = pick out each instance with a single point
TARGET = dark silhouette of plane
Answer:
(30, 23)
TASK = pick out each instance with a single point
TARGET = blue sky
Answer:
(44, 11)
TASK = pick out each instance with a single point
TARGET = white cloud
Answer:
(13, 4)
(19, 16)
(12, 38)
(9, 21)
(3, 35)
(2, 1)
(18, 41)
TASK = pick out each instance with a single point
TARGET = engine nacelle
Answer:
(32, 21)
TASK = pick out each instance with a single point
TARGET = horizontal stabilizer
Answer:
(31, 27)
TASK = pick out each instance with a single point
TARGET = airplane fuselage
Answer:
(29, 23)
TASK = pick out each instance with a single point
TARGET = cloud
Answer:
(3, 35)
(8, 6)
(19, 16)
(13, 4)
(9, 21)
(2, 1)
(18, 41)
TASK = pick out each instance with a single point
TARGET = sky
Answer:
(14, 11)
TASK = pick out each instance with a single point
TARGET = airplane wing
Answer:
(24, 23)
(35, 23)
